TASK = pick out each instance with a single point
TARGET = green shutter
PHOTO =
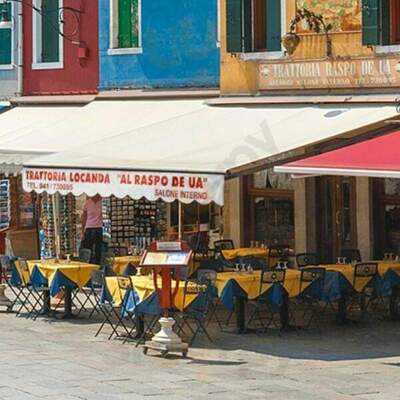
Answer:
(50, 36)
(135, 23)
(125, 23)
(274, 26)
(247, 26)
(384, 23)
(370, 22)
(5, 46)
(234, 26)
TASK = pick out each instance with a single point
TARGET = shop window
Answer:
(5, 38)
(381, 22)
(269, 208)
(125, 26)
(47, 42)
(254, 25)
(386, 216)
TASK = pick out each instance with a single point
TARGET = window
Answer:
(254, 25)
(381, 22)
(125, 26)
(6, 39)
(269, 209)
(47, 43)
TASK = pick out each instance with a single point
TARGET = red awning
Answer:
(378, 157)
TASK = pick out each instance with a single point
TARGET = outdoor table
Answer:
(235, 288)
(121, 263)
(145, 298)
(231, 254)
(340, 280)
(61, 274)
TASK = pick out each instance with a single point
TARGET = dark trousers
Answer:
(93, 239)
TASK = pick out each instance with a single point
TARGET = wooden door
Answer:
(336, 216)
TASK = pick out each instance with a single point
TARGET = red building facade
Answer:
(52, 63)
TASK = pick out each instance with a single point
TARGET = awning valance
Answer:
(185, 139)
(377, 157)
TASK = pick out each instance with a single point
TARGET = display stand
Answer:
(167, 260)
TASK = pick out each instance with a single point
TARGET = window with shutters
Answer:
(254, 25)
(125, 27)
(46, 40)
(6, 39)
(381, 22)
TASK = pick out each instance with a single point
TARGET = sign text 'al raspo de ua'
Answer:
(379, 72)
(185, 187)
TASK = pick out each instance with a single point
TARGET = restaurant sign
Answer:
(203, 188)
(377, 72)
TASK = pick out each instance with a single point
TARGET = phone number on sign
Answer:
(50, 186)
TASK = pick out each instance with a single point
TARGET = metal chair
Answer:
(263, 311)
(117, 311)
(281, 253)
(364, 298)
(194, 316)
(351, 255)
(85, 255)
(307, 259)
(312, 281)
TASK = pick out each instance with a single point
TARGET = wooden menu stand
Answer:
(167, 260)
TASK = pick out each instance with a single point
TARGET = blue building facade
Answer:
(9, 53)
(158, 43)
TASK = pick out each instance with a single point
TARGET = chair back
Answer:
(130, 270)
(198, 288)
(23, 266)
(306, 259)
(351, 255)
(365, 270)
(85, 255)
(280, 252)
(5, 267)
(311, 275)
(207, 276)
(124, 286)
(226, 244)
(272, 278)
(97, 278)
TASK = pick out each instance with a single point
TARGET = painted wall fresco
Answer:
(344, 15)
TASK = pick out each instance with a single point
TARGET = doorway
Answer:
(336, 216)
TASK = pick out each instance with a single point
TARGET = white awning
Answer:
(28, 132)
(182, 137)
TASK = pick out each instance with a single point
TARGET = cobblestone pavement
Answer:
(56, 359)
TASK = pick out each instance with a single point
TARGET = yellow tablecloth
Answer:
(250, 282)
(144, 287)
(120, 263)
(348, 271)
(244, 252)
(76, 271)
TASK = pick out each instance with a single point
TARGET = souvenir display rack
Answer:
(136, 222)
(47, 234)
(68, 225)
(5, 209)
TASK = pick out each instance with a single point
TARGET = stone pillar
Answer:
(300, 215)
(364, 217)
(233, 221)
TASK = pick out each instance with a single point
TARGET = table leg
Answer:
(67, 303)
(394, 306)
(284, 313)
(240, 311)
(139, 321)
(46, 307)
(341, 317)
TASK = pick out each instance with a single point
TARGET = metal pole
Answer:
(179, 220)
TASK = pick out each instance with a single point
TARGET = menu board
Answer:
(4, 204)
(168, 258)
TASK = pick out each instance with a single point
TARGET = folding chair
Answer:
(6, 274)
(312, 280)
(117, 311)
(363, 299)
(194, 316)
(263, 311)
(307, 259)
